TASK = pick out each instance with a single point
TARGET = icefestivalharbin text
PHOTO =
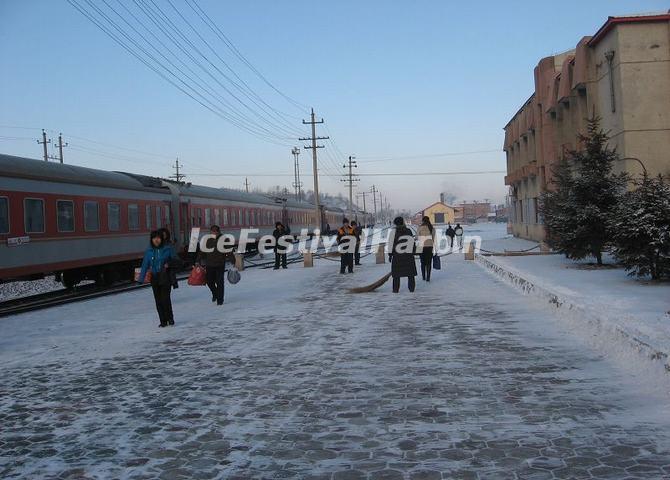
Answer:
(370, 241)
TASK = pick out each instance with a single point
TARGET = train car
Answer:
(77, 222)
(80, 223)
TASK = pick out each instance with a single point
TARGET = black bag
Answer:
(437, 264)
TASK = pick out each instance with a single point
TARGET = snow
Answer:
(624, 305)
(293, 376)
(20, 289)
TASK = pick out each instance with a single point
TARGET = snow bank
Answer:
(627, 315)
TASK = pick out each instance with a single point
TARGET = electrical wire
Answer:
(222, 36)
(133, 47)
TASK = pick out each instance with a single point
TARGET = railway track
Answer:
(62, 297)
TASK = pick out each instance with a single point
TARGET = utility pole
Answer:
(297, 184)
(246, 184)
(351, 164)
(60, 147)
(178, 176)
(44, 142)
(313, 122)
(374, 201)
(365, 211)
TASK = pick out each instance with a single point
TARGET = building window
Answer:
(133, 217)
(91, 216)
(147, 215)
(34, 215)
(113, 217)
(65, 215)
(4, 215)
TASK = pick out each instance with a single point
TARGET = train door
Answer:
(185, 223)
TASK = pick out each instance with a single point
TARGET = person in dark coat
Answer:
(215, 265)
(346, 238)
(425, 236)
(402, 256)
(458, 231)
(155, 260)
(280, 231)
(357, 233)
(451, 233)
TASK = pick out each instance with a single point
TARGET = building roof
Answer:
(634, 18)
(420, 212)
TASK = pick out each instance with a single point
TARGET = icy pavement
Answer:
(294, 378)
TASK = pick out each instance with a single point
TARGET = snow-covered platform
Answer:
(295, 378)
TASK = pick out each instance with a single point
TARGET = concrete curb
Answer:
(598, 320)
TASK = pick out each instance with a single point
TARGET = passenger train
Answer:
(85, 224)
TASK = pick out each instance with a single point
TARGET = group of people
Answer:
(160, 262)
(347, 234)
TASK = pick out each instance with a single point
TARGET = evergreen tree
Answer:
(583, 197)
(641, 229)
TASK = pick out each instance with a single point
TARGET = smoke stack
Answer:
(442, 197)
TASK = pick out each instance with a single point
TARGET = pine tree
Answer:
(641, 229)
(583, 197)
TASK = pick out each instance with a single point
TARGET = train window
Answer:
(159, 219)
(133, 217)
(225, 216)
(33, 213)
(91, 216)
(113, 217)
(167, 215)
(240, 218)
(4, 215)
(198, 212)
(148, 216)
(208, 217)
(217, 216)
(65, 215)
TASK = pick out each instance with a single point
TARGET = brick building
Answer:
(622, 74)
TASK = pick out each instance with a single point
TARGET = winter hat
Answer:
(397, 221)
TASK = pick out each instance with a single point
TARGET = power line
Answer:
(429, 155)
(151, 62)
(214, 27)
(380, 174)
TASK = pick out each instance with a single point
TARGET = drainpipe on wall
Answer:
(609, 55)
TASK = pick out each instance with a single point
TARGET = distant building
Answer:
(438, 212)
(622, 74)
(473, 212)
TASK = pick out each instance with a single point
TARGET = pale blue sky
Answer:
(390, 78)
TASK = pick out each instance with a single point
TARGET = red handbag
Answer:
(147, 276)
(198, 276)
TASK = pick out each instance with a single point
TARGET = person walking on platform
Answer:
(458, 231)
(358, 231)
(155, 261)
(215, 265)
(280, 232)
(346, 239)
(402, 256)
(451, 234)
(425, 235)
